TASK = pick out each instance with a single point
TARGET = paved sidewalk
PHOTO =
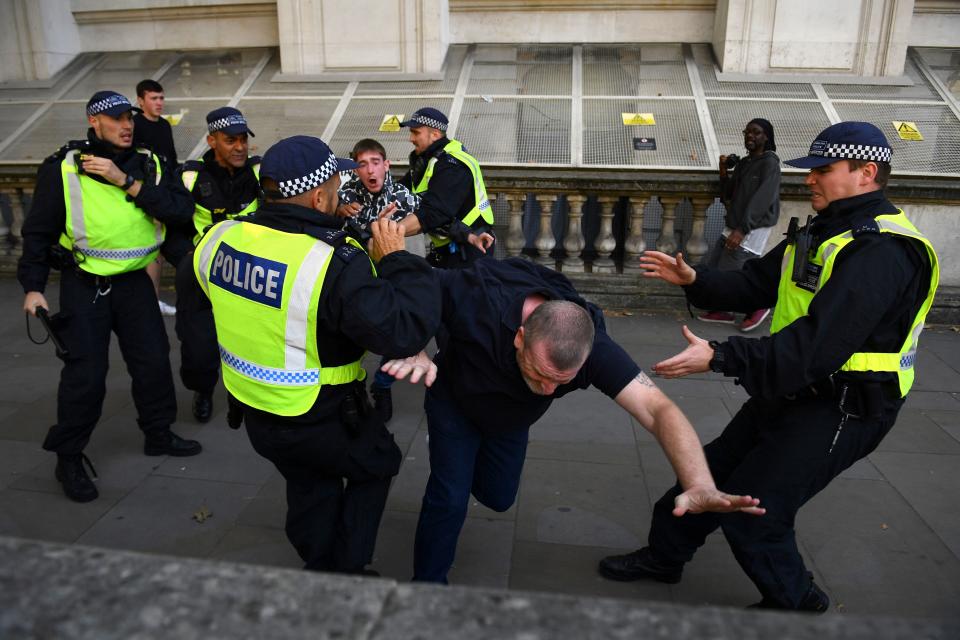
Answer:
(884, 538)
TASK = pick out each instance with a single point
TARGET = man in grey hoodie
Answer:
(752, 198)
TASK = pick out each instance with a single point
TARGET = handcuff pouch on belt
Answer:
(353, 408)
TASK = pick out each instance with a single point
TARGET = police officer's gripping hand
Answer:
(656, 264)
(33, 300)
(387, 238)
(417, 367)
(482, 242)
(694, 359)
(105, 168)
(701, 499)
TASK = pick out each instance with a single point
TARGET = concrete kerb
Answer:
(70, 591)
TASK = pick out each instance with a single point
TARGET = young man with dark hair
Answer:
(154, 132)
(150, 128)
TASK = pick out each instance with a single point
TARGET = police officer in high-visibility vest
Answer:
(98, 214)
(453, 195)
(851, 291)
(224, 184)
(296, 302)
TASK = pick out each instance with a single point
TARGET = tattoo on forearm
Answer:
(645, 380)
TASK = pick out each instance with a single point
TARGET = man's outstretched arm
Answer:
(642, 399)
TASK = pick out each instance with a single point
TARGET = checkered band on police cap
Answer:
(108, 102)
(850, 151)
(231, 120)
(312, 180)
(429, 122)
(427, 117)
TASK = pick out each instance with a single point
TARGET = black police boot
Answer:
(202, 406)
(167, 443)
(639, 565)
(77, 485)
(813, 601)
(382, 402)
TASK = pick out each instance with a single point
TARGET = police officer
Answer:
(851, 292)
(295, 303)
(98, 211)
(450, 183)
(224, 184)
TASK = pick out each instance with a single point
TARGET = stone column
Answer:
(515, 241)
(634, 246)
(697, 244)
(318, 38)
(605, 243)
(573, 241)
(667, 242)
(545, 241)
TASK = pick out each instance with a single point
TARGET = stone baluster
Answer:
(667, 242)
(16, 206)
(545, 241)
(634, 246)
(697, 244)
(515, 240)
(573, 241)
(605, 243)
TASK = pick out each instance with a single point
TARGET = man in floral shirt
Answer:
(369, 193)
(371, 189)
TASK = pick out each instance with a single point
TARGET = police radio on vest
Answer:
(248, 275)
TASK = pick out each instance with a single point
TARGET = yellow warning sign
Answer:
(631, 119)
(907, 130)
(391, 122)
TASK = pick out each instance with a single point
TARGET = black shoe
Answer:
(382, 402)
(77, 485)
(639, 565)
(167, 443)
(202, 406)
(814, 601)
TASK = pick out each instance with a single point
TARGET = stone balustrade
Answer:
(594, 225)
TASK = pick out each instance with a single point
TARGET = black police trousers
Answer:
(199, 355)
(780, 452)
(88, 314)
(337, 484)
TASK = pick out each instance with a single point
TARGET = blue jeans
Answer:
(463, 460)
(382, 379)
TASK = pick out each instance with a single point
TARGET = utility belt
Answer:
(856, 398)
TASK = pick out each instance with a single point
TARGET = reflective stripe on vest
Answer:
(119, 236)
(264, 286)
(481, 207)
(794, 301)
(203, 217)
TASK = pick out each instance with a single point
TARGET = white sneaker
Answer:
(167, 309)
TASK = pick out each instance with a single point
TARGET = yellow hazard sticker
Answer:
(907, 130)
(391, 122)
(631, 119)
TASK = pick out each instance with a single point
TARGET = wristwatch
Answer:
(128, 182)
(716, 362)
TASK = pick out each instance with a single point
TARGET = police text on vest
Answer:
(249, 276)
